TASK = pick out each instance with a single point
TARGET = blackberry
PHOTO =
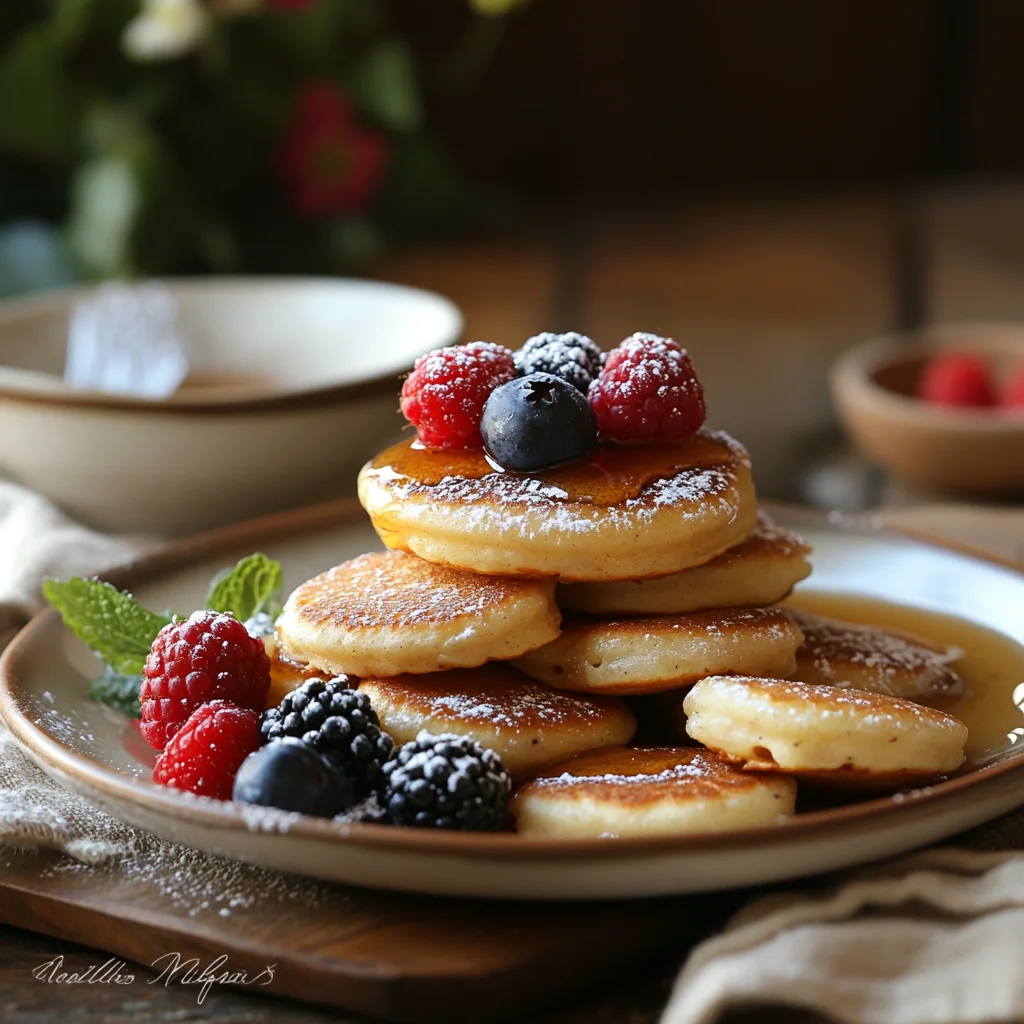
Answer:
(573, 357)
(338, 723)
(448, 782)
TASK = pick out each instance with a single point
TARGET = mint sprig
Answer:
(121, 631)
(117, 691)
(252, 587)
(118, 628)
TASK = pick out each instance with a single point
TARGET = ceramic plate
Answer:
(94, 752)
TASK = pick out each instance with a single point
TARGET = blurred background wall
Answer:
(767, 182)
(586, 98)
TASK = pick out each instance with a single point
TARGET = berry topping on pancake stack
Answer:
(569, 549)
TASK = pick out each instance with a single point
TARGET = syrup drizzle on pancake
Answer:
(610, 476)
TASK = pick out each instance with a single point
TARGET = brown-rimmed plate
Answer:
(94, 752)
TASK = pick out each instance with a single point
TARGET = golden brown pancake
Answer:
(527, 724)
(839, 653)
(831, 736)
(632, 656)
(758, 571)
(285, 676)
(621, 513)
(649, 791)
(388, 612)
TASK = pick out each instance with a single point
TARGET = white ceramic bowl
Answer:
(295, 384)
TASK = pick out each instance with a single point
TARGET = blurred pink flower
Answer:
(333, 163)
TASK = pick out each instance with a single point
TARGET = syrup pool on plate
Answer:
(992, 666)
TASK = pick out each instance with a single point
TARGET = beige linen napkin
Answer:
(37, 540)
(934, 938)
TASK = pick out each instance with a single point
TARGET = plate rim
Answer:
(53, 754)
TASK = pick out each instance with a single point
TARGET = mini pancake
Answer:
(830, 736)
(649, 791)
(621, 513)
(631, 656)
(760, 570)
(285, 675)
(386, 613)
(867, 658)
(527, 724)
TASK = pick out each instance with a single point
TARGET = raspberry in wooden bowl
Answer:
(937, 407)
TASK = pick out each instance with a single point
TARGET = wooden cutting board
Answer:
(394, 956)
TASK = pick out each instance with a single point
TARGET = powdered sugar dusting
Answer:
(389, 590)
(885, 663)
(647, 771)
(505, 503)
(769, 533)
(528, 704)
(694, 770)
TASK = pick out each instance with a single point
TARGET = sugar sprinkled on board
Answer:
(197, 882)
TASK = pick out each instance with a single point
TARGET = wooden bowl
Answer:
(945, 448)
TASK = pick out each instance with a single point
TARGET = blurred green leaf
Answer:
(313, 36)
(70, 19)
(424, 191)
(105, 201)
(33, 257)
(384, 84)
(354, 240)
(37, 106)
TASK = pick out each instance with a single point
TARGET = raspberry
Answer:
(1012, 398)
(204, 755)
(963, 380)
(209, 656)
(444, 395)
(647, 391)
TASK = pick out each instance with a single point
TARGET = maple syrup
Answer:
(992, 665)
(608, 476)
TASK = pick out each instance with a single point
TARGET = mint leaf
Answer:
(117, 691)
(253, 586)
(111, 622)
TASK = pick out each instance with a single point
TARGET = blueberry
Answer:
(538, 421)
(292, 776)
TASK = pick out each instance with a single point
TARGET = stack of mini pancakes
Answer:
(541, 614)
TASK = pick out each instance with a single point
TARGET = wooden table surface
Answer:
(764, 295)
